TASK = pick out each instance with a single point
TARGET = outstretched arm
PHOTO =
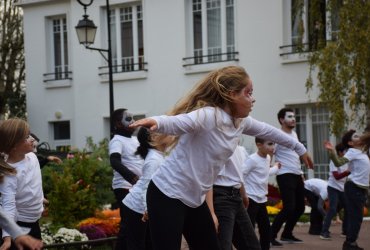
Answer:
(146, 122)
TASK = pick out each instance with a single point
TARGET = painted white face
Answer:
(289, 117)
(127, 119)
(355, 137)
(269, 147)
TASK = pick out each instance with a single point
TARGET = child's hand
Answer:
(277, 164)
(328, 145)
(145, 217)
(146, 122)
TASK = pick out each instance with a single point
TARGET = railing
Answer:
(100, 244)
(55, 76)
(123, 68)
(303, 47)
(212, 58)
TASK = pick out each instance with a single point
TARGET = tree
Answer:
(12, 66)
(343, 67)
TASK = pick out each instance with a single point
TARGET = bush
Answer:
(79, 186)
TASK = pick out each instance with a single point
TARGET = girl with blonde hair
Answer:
(21, 191)
(208, 123)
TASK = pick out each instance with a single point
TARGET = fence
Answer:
(99, 244)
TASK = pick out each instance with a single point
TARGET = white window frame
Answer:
(65, 75)
(205, 49)
(117, 43)
(56, 143)
(307, 121)
(288, 32)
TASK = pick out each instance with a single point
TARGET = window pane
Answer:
(113, 35)
(297, 22)
(197, 30)
(316, 22)
(65, 47)
(140, 36)
(214, 29)
(62, 130)
(127, 39)
(230, 33)
(57, 46)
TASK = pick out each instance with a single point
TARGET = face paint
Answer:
(289, 117)
(127, 119)
(269, 146)
(355, 137)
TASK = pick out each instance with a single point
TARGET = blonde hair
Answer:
(12, 132)
(214, 90)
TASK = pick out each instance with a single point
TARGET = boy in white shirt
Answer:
(337, 178)
(256, 172)
(316, 192)
(357, 185)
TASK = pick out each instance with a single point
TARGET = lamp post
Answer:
(86, 31)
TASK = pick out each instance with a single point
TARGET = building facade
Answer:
(160, 49)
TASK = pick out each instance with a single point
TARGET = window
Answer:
(309, 24)
(127, 38)
(212, 31)
(58, 50)
(312, 129)
(61, 134)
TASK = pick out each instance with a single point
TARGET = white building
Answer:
(161, 48)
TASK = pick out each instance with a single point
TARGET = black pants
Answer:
(291, 188)
(316, 218)
(35, 231)
(170, 218)
(120, 194)
(235, 227)
(133, 233)
(258, 214)
(355, 201)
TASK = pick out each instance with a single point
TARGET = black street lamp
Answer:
(86, 31)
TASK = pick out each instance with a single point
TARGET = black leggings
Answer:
(170, 218)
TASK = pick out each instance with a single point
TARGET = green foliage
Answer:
(343, 67)
(79, 186)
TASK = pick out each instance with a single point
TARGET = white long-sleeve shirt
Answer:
(256, 172)
(9, 225)
(334, 183)
(21, 195)
(207, 138)
(136, 198)
(231, 174)
(126, 147)
(359, 165)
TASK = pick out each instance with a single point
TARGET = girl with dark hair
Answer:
(357, 185)
(133, 230)
(126, 164)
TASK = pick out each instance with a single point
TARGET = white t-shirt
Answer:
(289, 160)
(334, 183)
(126, 147)
(22, 195)
(136, 198)
(256, 172)
(231, 174)
(318, 187)
(359, 165)
(207, 138)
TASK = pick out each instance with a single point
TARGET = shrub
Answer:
(79, 186)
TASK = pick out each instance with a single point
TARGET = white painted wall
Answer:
(259, 33)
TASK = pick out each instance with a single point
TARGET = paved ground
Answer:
(312, 242)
